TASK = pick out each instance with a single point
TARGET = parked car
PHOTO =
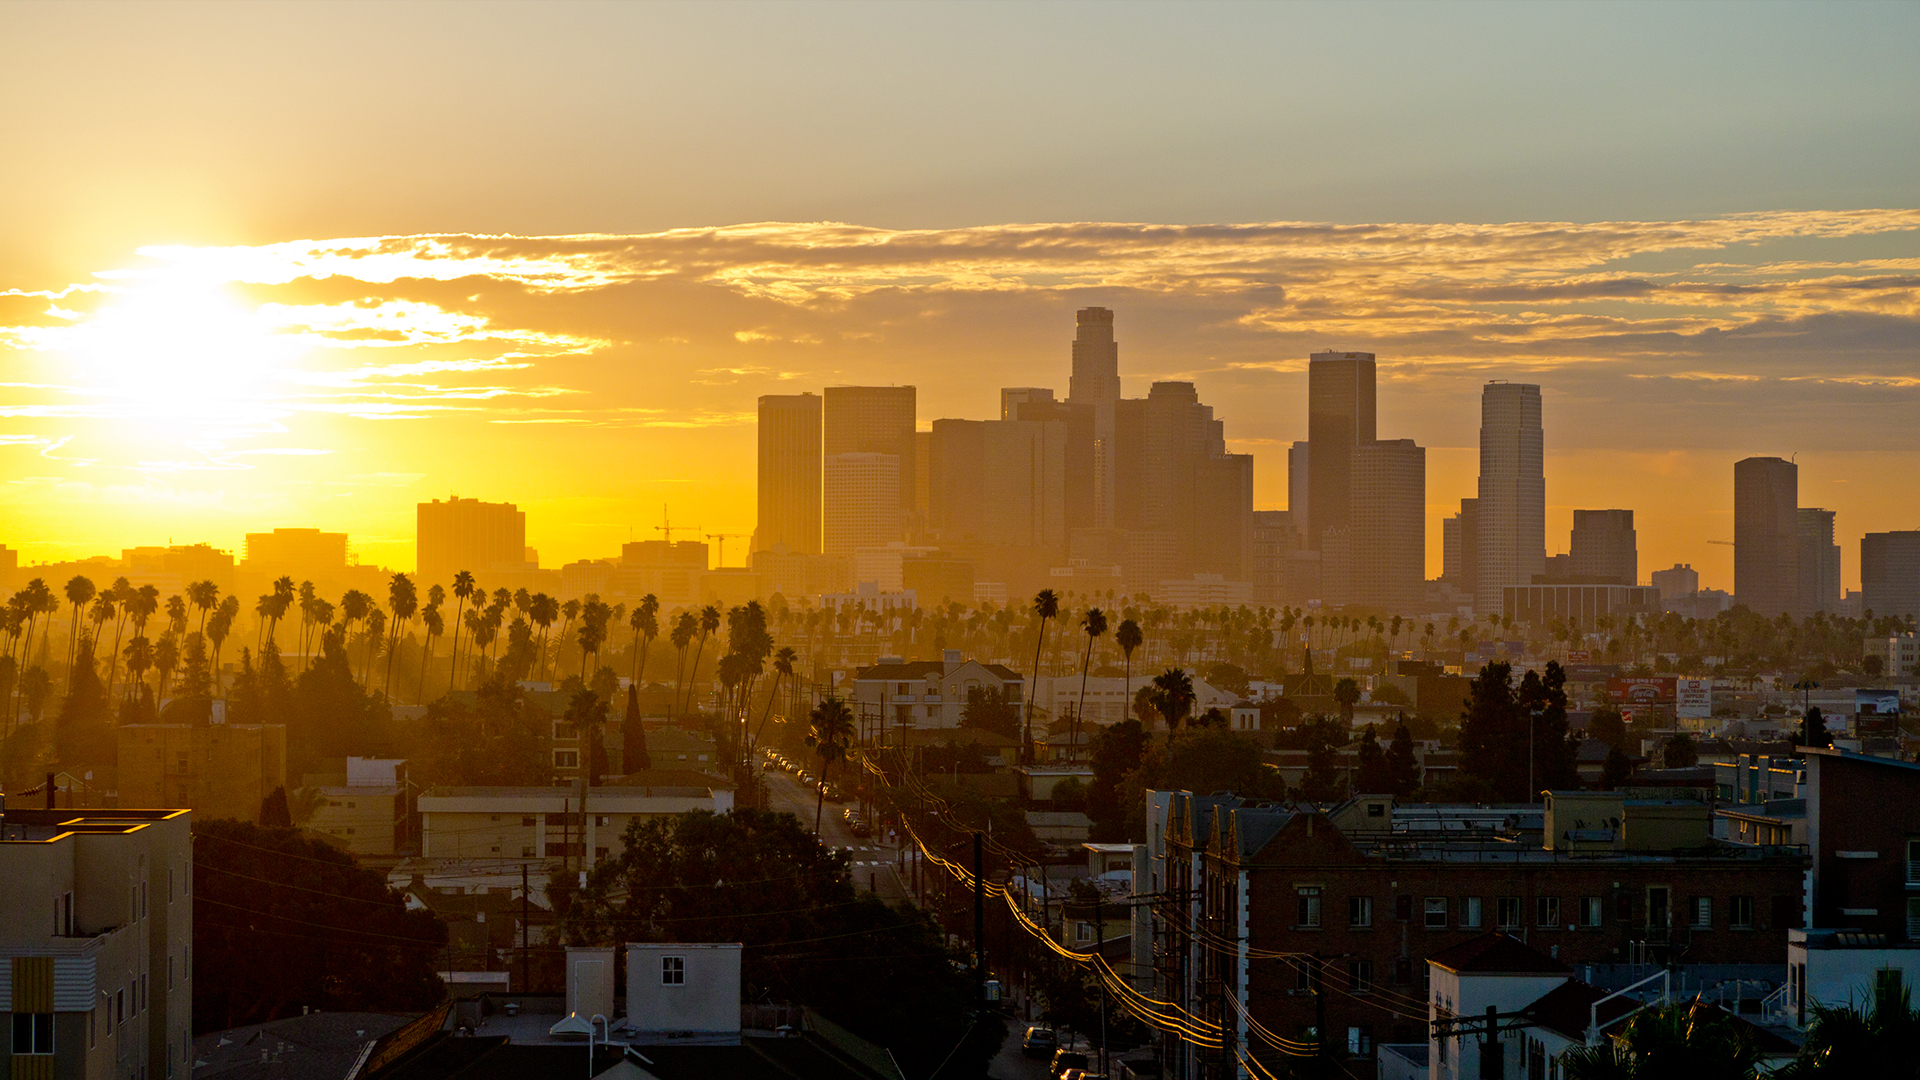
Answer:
(1040, 1041)
(1064, 1060)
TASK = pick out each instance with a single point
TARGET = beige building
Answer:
(216, 770)
(363, 809)
(96, 935)
(547, 822)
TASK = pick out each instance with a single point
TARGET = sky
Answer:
(271, 265)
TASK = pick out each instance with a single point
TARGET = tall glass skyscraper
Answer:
(1511, 510)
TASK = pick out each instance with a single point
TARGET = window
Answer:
(1470, 912)
(1658, 915)
(566, 759)
(32, 1033)
(1436, 913)
(673, 971)
(601, 821)
(1546, 911)
(1740, 912)
(1913, 861)
(528, 822)
(1700, 913)
(1360, 975)
(1913, 918)
(1082, 932)
(1403, 907)
(1359, 1041)
(1508, 913)
(1359, 911)
(1590, 910)
(1308, 911)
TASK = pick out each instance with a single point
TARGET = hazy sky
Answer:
(194, 345)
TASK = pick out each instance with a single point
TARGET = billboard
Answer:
(1693, 698)
(1645, 690)
(1876, 711)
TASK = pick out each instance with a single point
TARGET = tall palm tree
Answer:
(1844, 1043)
(593, 632)
(136, 606)
(542, 610)
(1686, 1039)
(403, 600)
(646, 627)
(462, 588)
(79, 590)
(1129, 638)
(569, 611)
(1046, 604)
(1094, 622)
(217, 630)
(355, 607)
(103, 609)
(831, 733)
(682, 636)
(433, 623)
(139, 659)
(709, 622)
(203, 595)
(1173, 697)
(166, 657)
(782, 669)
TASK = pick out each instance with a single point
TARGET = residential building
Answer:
(1388, 508)
(1766, 564)
(295, 552)
(1819, 561)
(1110, 700)
(789, 477)
(1899, 654)
(896, 694)
(1890, 573)
(547, 822)
(1539, 605)
(216, 770)
(96, 942)
(486, 539)
(1340, 417)
(1511, 510)
(364, 809)
(1604, 549)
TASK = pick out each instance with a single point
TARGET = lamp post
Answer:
(1533, 720)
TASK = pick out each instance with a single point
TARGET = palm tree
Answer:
(1094, 622)
(569, 611)
(217, 631)
(1844, 1043)
(1046, 604)
(102, 610)
(463, 587)
(593, 631)
(434, 624)
(136, 606)
(709, 622)
(166, 657)
(682, 636)
(831, 732)
(79, 590)
(1346, 693)
(1173, 697)
(782, 669)
(646, 627)
(403, 601)
(542, 610)
(203, 595)
(139, 659)
(1689, 1039)
(1129, 638)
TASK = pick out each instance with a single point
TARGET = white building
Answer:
(1109, 700)
(547, 822)
(928, 693)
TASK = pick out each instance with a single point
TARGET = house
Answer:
(902, 694)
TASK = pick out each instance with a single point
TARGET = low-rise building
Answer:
(364, 809)
(547, 823)
(216, 770)
(927, 693)
(96, 936)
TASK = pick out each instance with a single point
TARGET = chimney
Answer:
(951, 659)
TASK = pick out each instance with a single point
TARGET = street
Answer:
(871, 862)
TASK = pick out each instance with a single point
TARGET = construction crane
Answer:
(720, 546)
(667, 528)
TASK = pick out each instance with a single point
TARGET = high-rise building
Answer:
(1274, 544)
(867, 421)
(295, 551)
(1512, 504)
(1080, 427)
(1299, 486)
(1890, 574)
(789, 487)
(467, 534)
(1766, 535)
(1012, 397)
(1605, 548)
(956, 472)
(1024, 504)
(1340, 416)
(1819, 561)
(1678, 583)
(1095, 383)
(1461, 568)
(862, 502)
(1387, 540)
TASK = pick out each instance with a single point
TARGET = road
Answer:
(873, 863)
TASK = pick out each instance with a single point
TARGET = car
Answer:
(861, 829)
(1064, 1060)
(1040, 1041)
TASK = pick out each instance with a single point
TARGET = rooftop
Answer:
(1497, 954)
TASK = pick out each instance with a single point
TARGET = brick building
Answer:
(1303, 914)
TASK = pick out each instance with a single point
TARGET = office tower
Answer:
(1096, 383)
(922, 477)
(1012, 397)
(295, 551)
(1766, 535)
(1387, 541)
(9, 567)
(1340, 416)
(467, 534)
(1462, 571)
(789, 473)
(1082, 444)
(1221, 533)
(1605, 549)
(1678, 583)
(1450, 549)
(866, 421)
(1819, 561)
(1299, 485)
(1890, 574)
(956, 474)
(1274, 544)
(1512, 503)
(1024, 488)
(862, 502)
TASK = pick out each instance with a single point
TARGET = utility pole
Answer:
(526, 913)
(1320, 1015)
(980, 918)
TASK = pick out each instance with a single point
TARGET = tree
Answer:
(1173, 697)
(1609, 726)
(83, 732)
(1046, 605)
(588, 715)
(1616, 770)
(646, 627)
(434, 624)
(831, 734)
(633, 735)
(1813, 729)
(684, 628)
(1498, 724)
(1346, 693)
(1680, 752)
(218, 628)
(462, 589)
(987, 709)
(1685, 1041)
(403, 600)
(1094, 623)
(709, 622)
(1118, 750)
(79, 590)
(203, 595)
(1403, 769)
(498, 740)
(1843, 1043)
(1129, 638)
(1371, 768)
(281, 923)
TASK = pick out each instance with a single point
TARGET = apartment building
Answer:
(547, 822)
(926, 693)
(216, 770)
(96, 937)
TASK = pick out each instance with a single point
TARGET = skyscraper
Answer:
(789, 488)
(1605, 548)
(866, 421)
(1462, 569)
(1340, 416)
(1766, 535)
(1299, 486)
(467, 534)
(1096, 383)
(862, 502)
(1512, 504)
(1387, 542)
(1890, 574)
(1819, 560)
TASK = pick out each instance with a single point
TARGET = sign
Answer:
(1648, 690)
(1578, 656)
(1693, 698)
(1876, 702)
